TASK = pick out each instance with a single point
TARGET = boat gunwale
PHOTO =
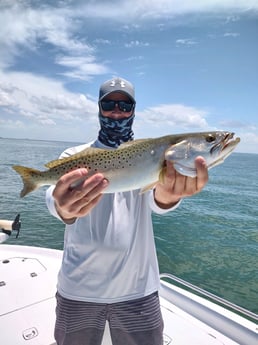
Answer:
(251, 316)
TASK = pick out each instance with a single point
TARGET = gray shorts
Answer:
(136, 322)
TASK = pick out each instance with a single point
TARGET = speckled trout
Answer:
(137, 164)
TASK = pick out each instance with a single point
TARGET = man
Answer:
(109, 270)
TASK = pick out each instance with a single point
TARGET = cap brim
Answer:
(117, 91)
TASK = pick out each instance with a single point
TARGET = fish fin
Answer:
(27, 175)
(153, 184)
(185, 170)
(178, 154)
(56, 162)
(177, 151)
(148, 187)
(132, 142)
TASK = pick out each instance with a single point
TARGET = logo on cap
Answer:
(121, 82)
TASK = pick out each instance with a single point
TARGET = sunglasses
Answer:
(122, 105)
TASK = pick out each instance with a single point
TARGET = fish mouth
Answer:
(227, 144)
(230, 142)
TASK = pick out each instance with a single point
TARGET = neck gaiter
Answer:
(115, 132)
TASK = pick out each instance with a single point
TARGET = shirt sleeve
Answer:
(155, 208)
(51, 202)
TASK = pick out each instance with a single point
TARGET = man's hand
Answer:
(74, 202)
(177, 186)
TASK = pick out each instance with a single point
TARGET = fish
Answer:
(138, 164)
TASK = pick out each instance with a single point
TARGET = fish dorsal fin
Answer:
(148, 187)
(132, 142)
(88, 151)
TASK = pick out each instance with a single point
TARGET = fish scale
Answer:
(137, 164)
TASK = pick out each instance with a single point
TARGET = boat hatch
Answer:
(21, 274)
(21, 268)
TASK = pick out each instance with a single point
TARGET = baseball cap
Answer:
(116, 85)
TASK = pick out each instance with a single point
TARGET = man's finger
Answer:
(66, 181)
(202, 172)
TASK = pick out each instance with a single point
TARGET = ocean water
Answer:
(211, 240)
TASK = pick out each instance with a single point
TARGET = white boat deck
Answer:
(27, 310)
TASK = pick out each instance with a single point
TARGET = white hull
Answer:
(27, 306)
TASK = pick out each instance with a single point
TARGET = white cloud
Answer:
(231, 34)
(248, 143)
(238, 125)
(102, 41)
(137, 44)
(125, 10)
(23, 27)
(175, 116)
(135, 58)
(10, 123)
(42, 100)
(81, 67)
(5, 99)
(186, 41)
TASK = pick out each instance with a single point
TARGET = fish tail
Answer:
(28, 176)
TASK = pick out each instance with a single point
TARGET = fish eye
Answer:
(210, 138)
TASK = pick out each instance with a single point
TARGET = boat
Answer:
(192, 316)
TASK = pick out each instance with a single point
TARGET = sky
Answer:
(194, 65)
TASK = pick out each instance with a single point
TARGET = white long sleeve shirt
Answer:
(109, 255)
